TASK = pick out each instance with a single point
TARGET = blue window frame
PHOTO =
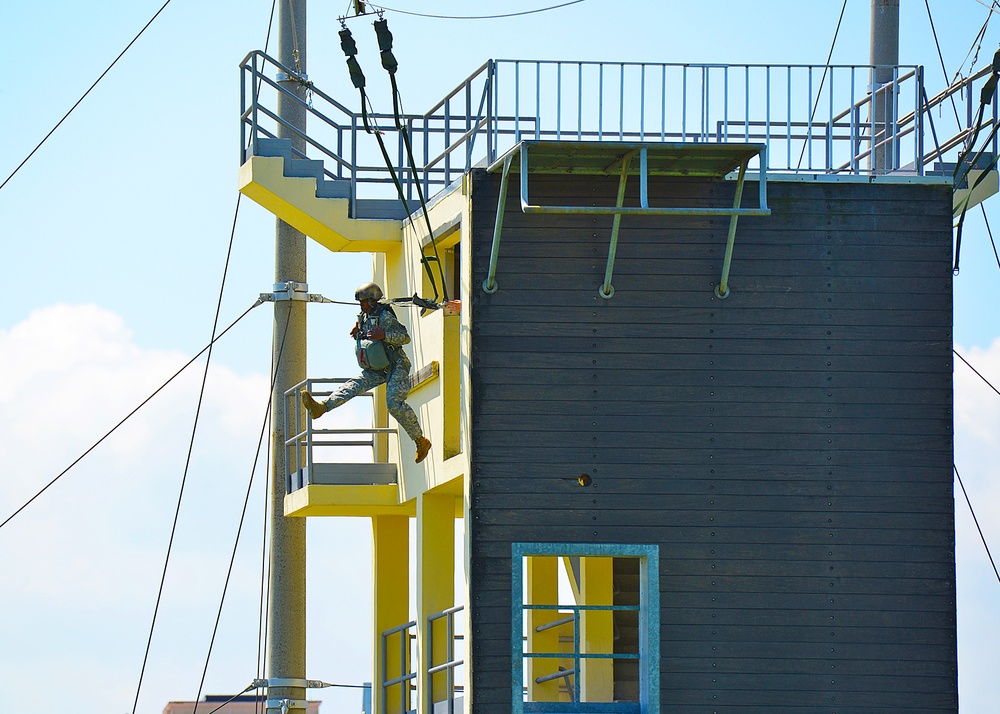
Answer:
(649, 629)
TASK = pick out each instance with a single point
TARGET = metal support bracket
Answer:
(286, 705)
(695, 160)
(293, 291)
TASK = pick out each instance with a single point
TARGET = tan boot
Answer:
(315, 409)
(423, 447)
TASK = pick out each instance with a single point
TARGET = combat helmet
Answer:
(368, 291)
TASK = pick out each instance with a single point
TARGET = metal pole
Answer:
(885, 57)
(286, 632)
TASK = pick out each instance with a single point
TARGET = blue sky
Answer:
(114, 237)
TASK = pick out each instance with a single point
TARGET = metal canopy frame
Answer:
(606, 158)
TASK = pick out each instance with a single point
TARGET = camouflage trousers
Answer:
(397, 386)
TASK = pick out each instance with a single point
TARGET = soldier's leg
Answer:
(368, 379)
(397, 388)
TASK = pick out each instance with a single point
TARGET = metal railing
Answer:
(302, 437)
(575, 655)
(405, 676)
(451, 662)
(813, 118)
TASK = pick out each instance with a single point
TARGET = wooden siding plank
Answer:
(789, 448)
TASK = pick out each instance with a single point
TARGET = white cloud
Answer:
(82, 564)
(977, 458)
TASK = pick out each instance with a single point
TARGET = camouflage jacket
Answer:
(395, 334)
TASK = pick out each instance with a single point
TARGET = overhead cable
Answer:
(246, 503)
(52, 131)
(977, 42)
(476, 17)
(822, 80)
(190, 451)
(127, 416)
(944, 71)
(976, 371)
(976, 520)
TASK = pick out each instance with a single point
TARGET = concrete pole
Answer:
(286, 633)
(885, 52)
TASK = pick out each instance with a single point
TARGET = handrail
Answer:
(449, 665)
(405, 675)
(505, 100)
(300, 434)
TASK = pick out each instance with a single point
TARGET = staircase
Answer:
(299, 192)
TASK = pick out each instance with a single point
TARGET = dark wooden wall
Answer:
(789, 448)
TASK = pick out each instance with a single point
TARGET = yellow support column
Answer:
(391, 604)
(543, 589)
(597, 629)
(435, 589)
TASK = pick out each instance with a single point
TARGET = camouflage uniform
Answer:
(396, 377)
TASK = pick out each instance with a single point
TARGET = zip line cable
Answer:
(981, 536)
(977, 42)
(187, 461)
(477, 17)
(390, 65)
(822, 80)
(72, 108)
(127, 416)
(246, 503)
(350, 49)
(976, 371)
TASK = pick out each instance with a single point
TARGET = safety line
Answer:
(475, 17)
(127, 416)
(246, 503)
(190, 451)
(981, 536)
(52, 131)
(975, 370)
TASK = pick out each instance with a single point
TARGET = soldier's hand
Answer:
(355, 330)
(376, 333)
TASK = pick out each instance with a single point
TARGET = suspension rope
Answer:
(190, 451)
(128, 416)
(976, 520)
(246, 504)
(350, 48)
(390, 65)
(72, 108)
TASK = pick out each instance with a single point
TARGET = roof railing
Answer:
(813, 118)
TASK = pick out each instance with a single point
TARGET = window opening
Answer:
(586, 631)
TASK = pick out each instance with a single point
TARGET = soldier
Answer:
(377, 323)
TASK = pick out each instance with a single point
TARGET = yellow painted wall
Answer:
(597, 629)
(390, 605)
